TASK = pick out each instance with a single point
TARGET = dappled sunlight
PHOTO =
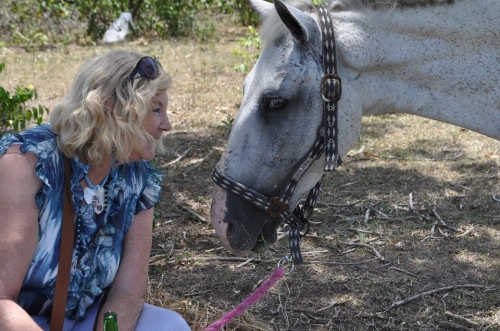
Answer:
(489, 255)
(480, 261)
(495, 317)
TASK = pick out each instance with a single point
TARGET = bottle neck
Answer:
(110, 321)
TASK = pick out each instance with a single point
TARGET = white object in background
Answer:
(119, 29)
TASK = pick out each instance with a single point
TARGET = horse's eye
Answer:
(273, 103)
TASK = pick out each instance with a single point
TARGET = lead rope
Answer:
(278, 273)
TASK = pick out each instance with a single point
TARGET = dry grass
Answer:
(407, 179)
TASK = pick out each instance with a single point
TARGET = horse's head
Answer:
(278, 122)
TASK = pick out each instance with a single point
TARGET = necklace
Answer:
(94, 194)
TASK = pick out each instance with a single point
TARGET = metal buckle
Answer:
(336, 96)
(305, 227)
(286, 262)
(276, 207)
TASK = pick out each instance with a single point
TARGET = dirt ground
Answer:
(405, 235)
(389, 225)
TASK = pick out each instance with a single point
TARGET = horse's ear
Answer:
(299, 23)
(263, 8)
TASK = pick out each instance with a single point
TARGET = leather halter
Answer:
(331, 90)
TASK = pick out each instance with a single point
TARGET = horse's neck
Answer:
(437, 62)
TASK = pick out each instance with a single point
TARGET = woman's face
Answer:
(156, 122)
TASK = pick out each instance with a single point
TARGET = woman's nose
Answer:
(165, 124)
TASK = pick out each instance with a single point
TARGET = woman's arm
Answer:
(126, 294)
(19, 224)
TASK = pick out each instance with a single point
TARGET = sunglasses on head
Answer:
(147, 67)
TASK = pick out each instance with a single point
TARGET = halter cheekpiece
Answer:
(331, 90)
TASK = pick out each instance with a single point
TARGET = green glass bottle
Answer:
(110, 321)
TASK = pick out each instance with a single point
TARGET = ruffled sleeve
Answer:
(39, 141)
(8, 139)
(151, 193)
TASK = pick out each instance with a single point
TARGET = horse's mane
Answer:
(351, 5)
(273, 28)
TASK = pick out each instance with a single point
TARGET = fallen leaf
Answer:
(492, 156)
(371, 155)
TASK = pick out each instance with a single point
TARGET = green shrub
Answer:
(42, 23)
(35, 24)
(249, 52)
(14, 113)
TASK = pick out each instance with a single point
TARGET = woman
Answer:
(108, 125)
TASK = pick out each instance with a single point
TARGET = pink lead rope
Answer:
(256, 296)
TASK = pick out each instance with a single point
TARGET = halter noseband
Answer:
(331, 90)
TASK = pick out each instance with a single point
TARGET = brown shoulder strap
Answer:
(66, 253)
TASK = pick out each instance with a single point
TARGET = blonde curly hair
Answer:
(105, 110)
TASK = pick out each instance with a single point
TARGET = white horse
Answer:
(119, 29)
(441, 62)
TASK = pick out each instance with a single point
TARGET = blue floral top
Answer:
(98, 237)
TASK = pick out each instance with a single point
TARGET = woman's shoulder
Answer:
(142, 168)
(149, 184)
(39, 140)
(141, 172)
